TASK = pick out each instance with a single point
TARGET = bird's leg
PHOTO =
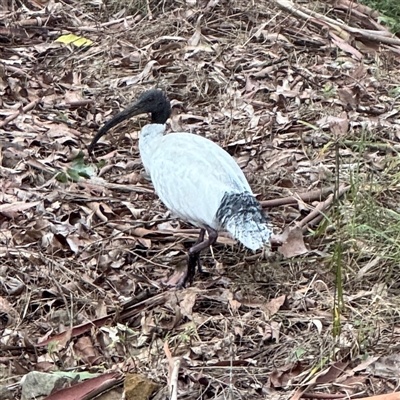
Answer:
(201, 236)
(195, 258)
(180, 280)
(201, 244)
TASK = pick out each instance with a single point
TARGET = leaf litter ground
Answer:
(305, 97)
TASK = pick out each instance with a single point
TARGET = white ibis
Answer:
(196, 179)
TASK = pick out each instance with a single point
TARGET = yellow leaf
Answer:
(77, 41)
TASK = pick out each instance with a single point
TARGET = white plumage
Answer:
(191, 175)
(196, 179)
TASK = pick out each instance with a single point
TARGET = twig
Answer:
(17, 71)
(173, 372)
(375, 146)
(390, 396)
(38, 21)
(305, 196)
(25, 109)
(313, 222)
(305, 13)
(117, 21)
(174, 379)
(316, 212)
(361, 16)
(150, 14)
(116, 186)
(325, 396)
(316, 215)
(77, 103)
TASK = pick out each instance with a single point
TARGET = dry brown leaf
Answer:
(338, 125)
(195, 39)
(385, 367)
(85, 350)
(90, 387)
(8, 314)
(347, 98)
(343, 45)
(274, 305)
(188, 301)
(141, 232)
(279, 378)
(331, 374)
(146, 243)
(132, 80)
(13, 209)
(256, 80)
(293, 243)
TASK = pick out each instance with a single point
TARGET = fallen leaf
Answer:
(293, 243)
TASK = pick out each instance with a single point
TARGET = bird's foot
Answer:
(177, 280)
(183, 277)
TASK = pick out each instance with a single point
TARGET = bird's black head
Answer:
(153, 101)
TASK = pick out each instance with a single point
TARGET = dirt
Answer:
(303, 97)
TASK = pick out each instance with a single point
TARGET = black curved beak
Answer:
(131, 111)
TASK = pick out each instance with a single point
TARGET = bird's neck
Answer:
(161, 116)
(150, 138)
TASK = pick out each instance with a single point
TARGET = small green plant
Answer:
(394, 92)
(365, 246)
(329, 90)
(79, 169)
(389, 10)
(119, 334)
(187, 336)
(298, 354)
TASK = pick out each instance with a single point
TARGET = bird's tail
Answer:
(242, 216)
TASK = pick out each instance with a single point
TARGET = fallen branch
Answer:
(305, 197)
(129, 310)
(305, 13)
(317, 215)
(115, 186)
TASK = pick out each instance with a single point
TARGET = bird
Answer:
(197, 180)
